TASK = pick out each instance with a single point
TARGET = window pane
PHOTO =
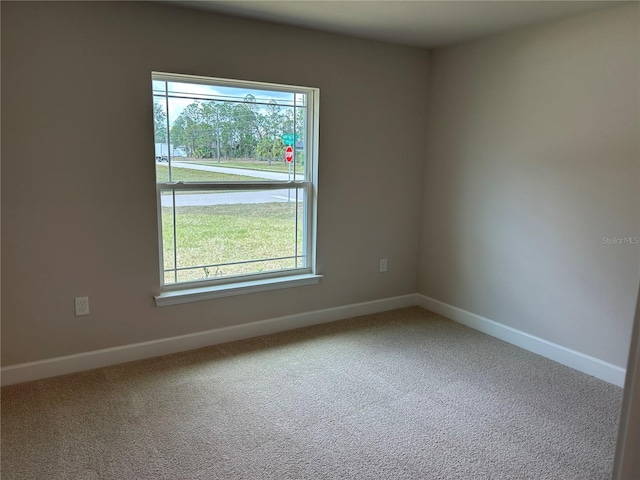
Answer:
(214, 272)
(300, 146)
(221, 234)
(287, 128)
(203, 91)
(160, 132)
(168, 250)
(228, 127)
(159, 87)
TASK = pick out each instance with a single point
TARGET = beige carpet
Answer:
(400, 395)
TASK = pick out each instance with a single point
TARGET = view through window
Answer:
(236, 178)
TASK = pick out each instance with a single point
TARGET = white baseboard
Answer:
(25, 372)
(571, 358)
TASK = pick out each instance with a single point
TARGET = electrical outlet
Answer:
(383, 264)
(82, 306)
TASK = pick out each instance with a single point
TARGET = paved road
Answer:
(262, 196)
(219, 198)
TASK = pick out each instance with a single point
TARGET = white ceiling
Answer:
(422, 23)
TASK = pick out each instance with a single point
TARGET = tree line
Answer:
(232, 130)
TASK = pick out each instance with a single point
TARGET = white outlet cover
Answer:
(82, 306)
(383, 264)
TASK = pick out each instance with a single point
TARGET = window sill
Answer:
(187, 295)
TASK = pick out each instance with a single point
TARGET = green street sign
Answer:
(288, 139)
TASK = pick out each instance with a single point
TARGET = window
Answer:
(236, 177)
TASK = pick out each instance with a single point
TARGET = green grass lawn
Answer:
(188, 175)
(231, 233)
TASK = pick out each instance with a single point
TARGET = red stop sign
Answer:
(288, 154)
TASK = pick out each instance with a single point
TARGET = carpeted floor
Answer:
(399, 395)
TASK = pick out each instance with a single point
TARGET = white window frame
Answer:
(205, 289)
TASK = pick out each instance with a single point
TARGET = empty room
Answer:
(320, 240)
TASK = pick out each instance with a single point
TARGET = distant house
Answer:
(162, 152)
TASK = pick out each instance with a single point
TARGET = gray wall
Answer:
(78, 194)
(533, 158)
